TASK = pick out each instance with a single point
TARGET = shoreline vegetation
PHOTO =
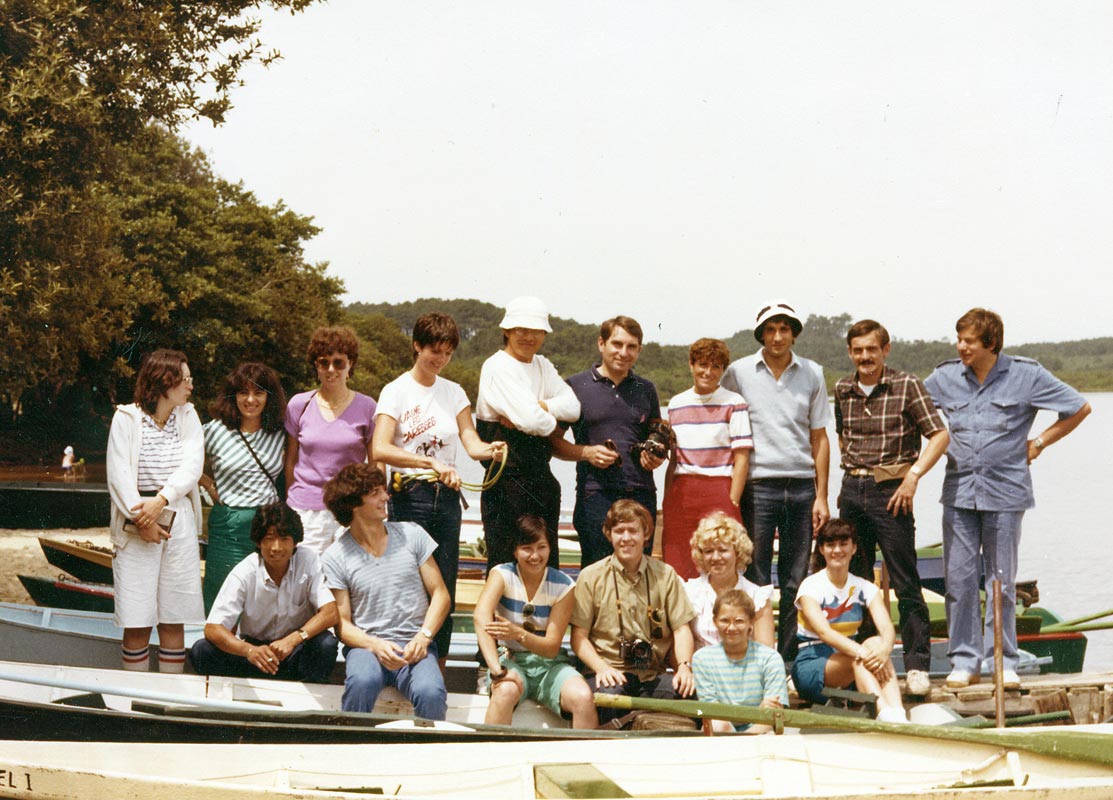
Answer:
(46, 419)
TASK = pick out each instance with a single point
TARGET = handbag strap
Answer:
(262, 469)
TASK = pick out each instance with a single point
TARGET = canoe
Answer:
(831, 765)
(49, 504)
(84, 560)
(61, 592)
(76, 704)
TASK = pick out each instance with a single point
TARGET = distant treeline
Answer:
(1086, 364)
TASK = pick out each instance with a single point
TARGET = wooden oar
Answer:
(1096, 748)
(1070, 623)
(137, 694)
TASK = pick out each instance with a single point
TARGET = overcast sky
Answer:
(684, 162)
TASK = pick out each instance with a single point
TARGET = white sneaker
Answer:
(960, 678)
(892, 715)
(1011, 679)
(917, 682)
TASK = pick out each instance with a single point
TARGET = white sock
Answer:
(136, 660)
(171, 660)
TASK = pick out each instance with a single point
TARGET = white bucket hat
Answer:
(526, 312)
(777, 308)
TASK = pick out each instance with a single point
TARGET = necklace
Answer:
(333, 406)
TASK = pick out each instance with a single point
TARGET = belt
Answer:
(149, 494)
(859, 472)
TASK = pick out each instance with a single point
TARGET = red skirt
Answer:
(689, 499)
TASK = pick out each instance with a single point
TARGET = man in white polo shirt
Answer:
(273, 615)
(786, 493)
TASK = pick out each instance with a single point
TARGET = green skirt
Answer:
(229, 544)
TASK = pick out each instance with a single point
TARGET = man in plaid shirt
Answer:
(880, 416)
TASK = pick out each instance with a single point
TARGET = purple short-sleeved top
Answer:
(325, 447)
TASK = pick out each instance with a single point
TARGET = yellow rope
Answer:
(400, 479)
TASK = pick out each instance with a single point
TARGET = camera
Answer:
(637, 653)
(659, 441)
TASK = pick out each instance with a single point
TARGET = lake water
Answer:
(1063, 545)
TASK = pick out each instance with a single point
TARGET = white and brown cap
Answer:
(777, 308)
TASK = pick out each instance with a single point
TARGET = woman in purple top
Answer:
(327, 428)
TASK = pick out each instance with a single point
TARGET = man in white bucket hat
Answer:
(521, 399)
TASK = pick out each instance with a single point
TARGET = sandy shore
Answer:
(20, 554)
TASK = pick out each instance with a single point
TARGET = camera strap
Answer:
(618, 604)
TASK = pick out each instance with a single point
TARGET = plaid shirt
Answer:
(884, 428)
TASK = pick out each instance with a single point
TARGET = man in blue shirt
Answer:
(786, 493)
(990, 401)
(617, 408)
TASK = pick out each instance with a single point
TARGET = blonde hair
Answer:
(721, 528)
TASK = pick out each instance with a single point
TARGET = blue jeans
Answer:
(591, 509)
(772, 506)
(436, 508)
(862, 501)
(969, 537)
(421, 683)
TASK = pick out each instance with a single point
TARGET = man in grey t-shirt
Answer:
(786, 492)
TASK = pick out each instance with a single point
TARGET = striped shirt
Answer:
(553, 588)
(709, 429)
(160, 452)
(758, 675)
(239, 480)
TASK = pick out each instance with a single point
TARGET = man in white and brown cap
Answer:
(786, 491)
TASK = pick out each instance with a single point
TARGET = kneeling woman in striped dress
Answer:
(155, 454)
(526, 606)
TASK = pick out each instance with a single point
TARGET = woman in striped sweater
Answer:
(244, 451)
(711, 457)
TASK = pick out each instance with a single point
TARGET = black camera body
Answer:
(658, 443)
(638, 653)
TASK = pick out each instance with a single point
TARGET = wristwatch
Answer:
(304, 636)
(1038, 442)
(428, 634)
(916, 470)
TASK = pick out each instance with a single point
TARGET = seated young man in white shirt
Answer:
(273, 615)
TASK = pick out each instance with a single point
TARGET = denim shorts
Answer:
(808, 670)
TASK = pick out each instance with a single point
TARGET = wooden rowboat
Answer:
(75, 704)
(84, 560)
(831, 765)
(61, 592)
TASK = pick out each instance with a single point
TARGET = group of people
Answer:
(308, 537)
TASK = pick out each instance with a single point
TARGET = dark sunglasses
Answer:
(338, 364)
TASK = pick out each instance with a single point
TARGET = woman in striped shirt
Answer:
(526, 606)
(244, 451)
(154, 460)
(711, 456)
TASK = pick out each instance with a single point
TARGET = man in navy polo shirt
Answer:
(616, 407)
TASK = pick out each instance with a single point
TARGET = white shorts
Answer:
(321, 529)
(160, 583)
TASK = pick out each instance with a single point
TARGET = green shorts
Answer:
(542, 677)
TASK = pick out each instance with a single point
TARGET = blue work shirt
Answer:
(987, 461)
(621, 413)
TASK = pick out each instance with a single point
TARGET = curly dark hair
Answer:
(280, 518)
(246, 374)
(344, 493)
(336, 339)
(160, 372)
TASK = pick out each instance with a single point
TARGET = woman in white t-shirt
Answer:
(421, 422)
(721, 551)
(832, 605)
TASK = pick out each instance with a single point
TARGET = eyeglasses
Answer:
(658, 630)
(338, 364)
(188, 379)
(736, 622)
